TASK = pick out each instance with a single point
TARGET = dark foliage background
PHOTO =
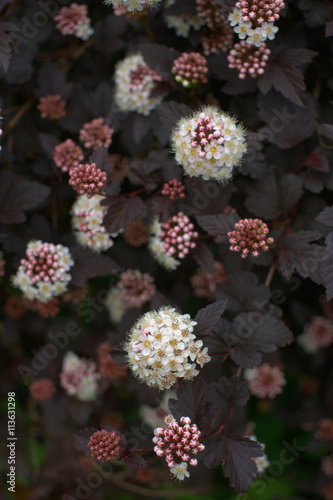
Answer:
(286, 179)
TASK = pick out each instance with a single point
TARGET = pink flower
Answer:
(136, 233)
(204, 284)
(178, 236)
(190, 69)
(52, 107)
(70, 18)
(265, 381)
(248, 59)
(105, 445)
(173, 189)
(135, 288)
(67, 155)
(320, 331)
(87, 179)
(42, 389)
(95, 134)
(250, 236)
(218, 36)
(45, 309)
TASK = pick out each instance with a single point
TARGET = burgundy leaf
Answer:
(48, 143)
(253, 334)
(164, 207)
(329, 28)
(297, 253)
(227, 392)
(82, 438)
(159, 58)
(18, 195)
(171, 112)
(131, 458)
(141, 174)
(204, 257)
(326, 216)
(207, 318)
(218, 225)
(141, 126)
(121, 211)
(51, 81)
(243, 292)
(89, 265)
(238, 464)
(6, 45)
(190, 402)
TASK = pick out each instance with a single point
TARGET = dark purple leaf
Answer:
(238, 464)
(326, 267)
(18, 195)
(297, 253)
(5, 45)
(159, 58)
(326, 216)
(253, 334)
(82, 438)
(48, 143)
(89, 265)
(282, 73)
(51, 81)
(243, 292)
(131, 458)
(286, 123)
(190, 402)
(204, 257)
(182, 7)
(164, 207)
(218, 225)
(273, 196)
(227, 392)
(207, 318)
(329, 28)
(171, 112)
(315, 12)
(101, 158)
(141, 174)
(121, 211)
(141, 126)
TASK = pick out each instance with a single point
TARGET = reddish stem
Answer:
(145, 450)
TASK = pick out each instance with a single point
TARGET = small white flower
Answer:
(235, 17)
(180, 471)
(84, 31)
(243, 30)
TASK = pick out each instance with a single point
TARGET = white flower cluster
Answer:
(87, 221)
(156, 247)
(245, 31)
(162, 348)
(261, 462)
(208, 144)
(183, 24)
(43, 274)
(79, 377)
(132, 5)
(134, 82)
(115, 305)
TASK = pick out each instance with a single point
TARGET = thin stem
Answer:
(270, 274)
(145, 450)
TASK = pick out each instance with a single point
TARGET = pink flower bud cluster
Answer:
(178, 236)
(325, 430)
(173, 189)
(139, 77)
(177, 443)
(87, 179)
(204, 284)
(265, 381)
(42, 389)
(46, 309)
(52, 107)
(43, 274)
(260, 11)
(104, 445)
(248, 59)
(250, 236)
(190, 69)
(95, 134)
(136, 288)
(67, 155)
(74, 20)
(218, 38)
(136, 233)
(320, 331)
(79, 377)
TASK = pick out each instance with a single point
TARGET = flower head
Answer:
(133, 5)
(43, 274)
(87, 220)
(136, 233)
(178, 442)
(190, 69)
(317, 334)
(265, 381)
(87, 179)
(250, 236)
(70, 18)
(208, 144)
(136, 288)
(134, 82)
(42, 389)
(104, 445)
(249, 60)
(52, 107)
(204, 284)
(79, 377)
(162, 348)
(95, 134)
(67, 155)
(173, 189)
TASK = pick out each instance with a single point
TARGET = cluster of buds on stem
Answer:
(250, 236)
